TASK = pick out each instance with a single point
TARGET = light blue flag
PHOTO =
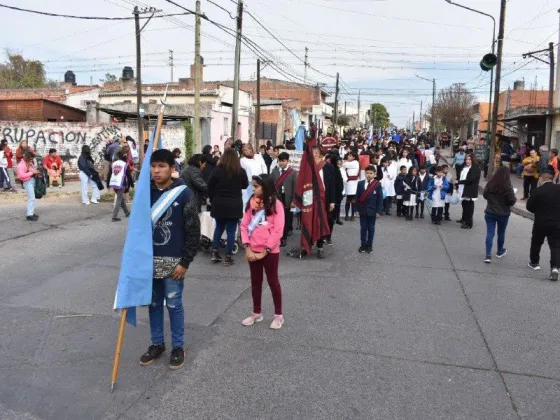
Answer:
(137, 265)
(295, 119)
(300, 137)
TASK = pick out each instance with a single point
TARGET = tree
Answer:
(189, 140)
(379, 116)
(343, 120)
(19, 73)
(454, 107)
(109, 78)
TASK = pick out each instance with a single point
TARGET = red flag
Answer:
(310, 198)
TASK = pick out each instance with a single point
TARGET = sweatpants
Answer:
(550, 231)
(121, 203)
(270, 266)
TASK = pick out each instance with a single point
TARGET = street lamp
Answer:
(489, 124)
(433, 100)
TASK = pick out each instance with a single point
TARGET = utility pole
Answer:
(420, 116)
(359, 95)
(197, 81)
(335, 105)
(305, 67)
(413, 120)
(344, 107)
(433, 128)
(496, 104)
(171, 64)
(258, 110)
(138, 30)
(550, 62)
(235, 109)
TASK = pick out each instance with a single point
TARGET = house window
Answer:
(152, 101)
(226, 126)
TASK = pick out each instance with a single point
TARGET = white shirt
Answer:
(436, 194)
(404, 162)
(273, 165)
(255, 166)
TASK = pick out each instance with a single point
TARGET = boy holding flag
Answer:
(370, 205)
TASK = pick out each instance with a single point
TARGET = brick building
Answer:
(38, 109)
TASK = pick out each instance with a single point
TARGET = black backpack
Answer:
(40, 188)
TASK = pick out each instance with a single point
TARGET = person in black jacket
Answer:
(467, 185)
(370, 207)
(544, 203)
(337, 191)
(89, 176)
(210, 163)
(423, 181)
(500, 197)
(224, 190)
(192, 176)
(339, 186)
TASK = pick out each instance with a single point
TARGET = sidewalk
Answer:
(519, 207)
(70, 189)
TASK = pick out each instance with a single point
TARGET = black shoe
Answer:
(422, 216)
(283, 243)
(127, 215)
(369, 249)
(329, 241)
(116, 219)
(460, 221)
(216, 258)
(488, 259)
(346, 218)
(466, 226)
(154, 352)
(534, 266)
(416, 217)
(339, 222)
(447, 219)
(33, 218)
(362, 249)
(228, 261)
(437, 222)
(321, 253)
(177, 359)
(352, 218)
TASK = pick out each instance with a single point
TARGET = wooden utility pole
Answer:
(335, 105)
(359, 97)
(305, 66)
(420, 116)
(197, 81)
(171, 64)
(258, 108)
(235, 108)
(549, 117)
(496, 104)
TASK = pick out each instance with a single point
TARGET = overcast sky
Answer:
(377, 46)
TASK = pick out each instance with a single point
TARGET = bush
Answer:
(189, 140)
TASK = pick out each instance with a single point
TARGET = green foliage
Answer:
(379, 116)
(109, 78)
(19, 73)
(189, 140)
(343, 120)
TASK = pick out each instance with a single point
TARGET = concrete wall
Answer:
(68, 138)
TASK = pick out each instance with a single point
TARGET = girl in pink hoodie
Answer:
(262, 228)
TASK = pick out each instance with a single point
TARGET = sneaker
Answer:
(488, 259)
(154, 352)
(277, 322)
(228, 261)
(86, 204)
(352, 218)
(116, 219)
(369, 249)
(534, 266)
(362, 249)
(320, 253)
(94, 202)
(33, 218)
(216, 258)
(340, 222)
(177, 359)
(501, 254)
(252, 319)
(553, 274)
(329, 241)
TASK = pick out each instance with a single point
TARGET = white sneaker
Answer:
(95, 202)
(277, 322)
(252, 319)
(87, 204)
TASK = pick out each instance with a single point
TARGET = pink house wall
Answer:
(219, 133)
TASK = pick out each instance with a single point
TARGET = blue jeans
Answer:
(172, 291)
(29, 186)
(367, 230)
(85, 181)
(491, 221)
(230, 226)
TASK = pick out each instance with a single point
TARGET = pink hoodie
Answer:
(266, 235)
(23, 173)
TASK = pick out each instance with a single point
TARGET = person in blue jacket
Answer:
(370, 205)
(437, 190)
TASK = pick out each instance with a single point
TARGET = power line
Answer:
(37, 12)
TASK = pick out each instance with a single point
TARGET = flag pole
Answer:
(124, 312)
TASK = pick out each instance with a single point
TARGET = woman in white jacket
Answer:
(404, 160)
(389, 174)
(352, 168)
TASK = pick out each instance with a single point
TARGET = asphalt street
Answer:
(420, 329)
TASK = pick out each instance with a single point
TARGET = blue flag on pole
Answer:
(137, 265)
(300, 137)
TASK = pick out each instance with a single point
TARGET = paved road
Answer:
(420, 329)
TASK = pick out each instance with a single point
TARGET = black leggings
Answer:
(350, 201)
(420, 206)
(529, 185)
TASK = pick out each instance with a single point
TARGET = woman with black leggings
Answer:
(467, 185)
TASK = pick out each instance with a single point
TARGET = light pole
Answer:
(489, 125)
(433, 100)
